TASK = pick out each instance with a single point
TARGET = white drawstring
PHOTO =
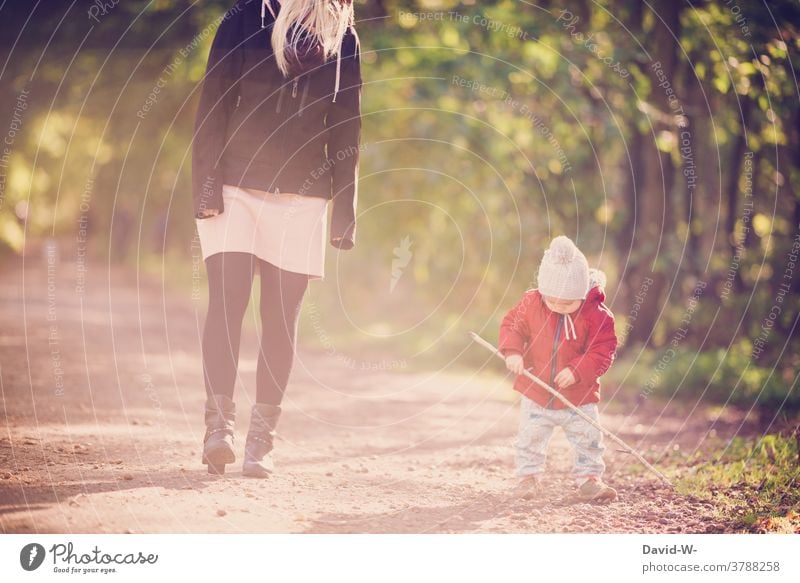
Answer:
(339, 59)
(338, 71)
(570, 327)
(268, 4)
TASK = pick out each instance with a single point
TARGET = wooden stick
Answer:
(488, 346)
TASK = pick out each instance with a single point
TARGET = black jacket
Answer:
(257, 129)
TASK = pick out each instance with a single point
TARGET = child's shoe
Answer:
(593, 489)
(528, 487)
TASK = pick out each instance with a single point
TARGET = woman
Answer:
(277, 136)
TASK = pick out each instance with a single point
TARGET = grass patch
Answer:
(753, 482)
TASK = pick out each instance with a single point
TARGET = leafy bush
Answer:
(713, 376)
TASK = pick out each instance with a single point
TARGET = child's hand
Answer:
(514, 363)
(565, 378)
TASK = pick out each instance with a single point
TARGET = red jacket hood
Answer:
(595, 296)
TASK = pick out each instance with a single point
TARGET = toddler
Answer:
(563, 333)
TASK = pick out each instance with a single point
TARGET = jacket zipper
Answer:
(554, 359)
(278, 110)
(238, 100)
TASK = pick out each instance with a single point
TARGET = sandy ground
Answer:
(101, 431)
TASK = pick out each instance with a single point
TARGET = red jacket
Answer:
(548, 344)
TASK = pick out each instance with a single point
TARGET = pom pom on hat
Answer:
(563, 250)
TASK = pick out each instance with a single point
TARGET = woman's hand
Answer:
(208, 213)
(514, 363)
(342, 243)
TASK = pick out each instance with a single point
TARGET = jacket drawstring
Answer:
(268, 4)
(280, 98)
(569, 328)
(338, 71)
(303, 98)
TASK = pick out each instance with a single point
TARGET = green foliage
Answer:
(727, 376)
(753, 482)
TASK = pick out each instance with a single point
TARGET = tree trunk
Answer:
(655, 212)
(734, 170)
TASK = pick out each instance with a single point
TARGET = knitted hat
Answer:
(564, 271)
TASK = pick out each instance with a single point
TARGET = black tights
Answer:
(230, 280)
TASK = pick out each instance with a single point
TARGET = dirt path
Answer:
(102, 423)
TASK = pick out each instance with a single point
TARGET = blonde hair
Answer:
(324, 21)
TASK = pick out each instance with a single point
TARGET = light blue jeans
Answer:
(536, 426)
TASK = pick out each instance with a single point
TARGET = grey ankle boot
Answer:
(220, 414)
(258, 447)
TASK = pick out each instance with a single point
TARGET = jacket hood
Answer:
(597, 283)
(595, 296)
